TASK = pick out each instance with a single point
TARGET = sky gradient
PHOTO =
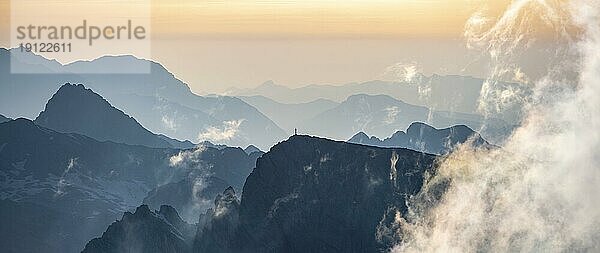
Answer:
(213, 45)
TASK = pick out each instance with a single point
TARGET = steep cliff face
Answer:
(218, 227)
(316, 195)
(68, 188)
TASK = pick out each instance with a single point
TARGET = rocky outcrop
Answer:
(145, 231)
(316, 195)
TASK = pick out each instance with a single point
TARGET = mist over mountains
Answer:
(425, 138)
(451, 93)
(289, 115)
(382, 115)
(116, 154)
(305, 195)
(164, 105)
(174, 110)
(80, 185)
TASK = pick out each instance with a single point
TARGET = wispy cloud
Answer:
(226, 132)
(537, 193)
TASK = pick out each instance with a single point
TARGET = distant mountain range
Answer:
(73, 186)
(382, 115)
(158, 100)
(422, 137)
(305, 195)
(289, 116)
(450, 93)
(166, 106)
(75, 109)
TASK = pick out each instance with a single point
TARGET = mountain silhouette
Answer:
(289, 116)
(422, 137)
(382, 115)
(453, 93)
(75, 109)
(158, 100)
(315, 195)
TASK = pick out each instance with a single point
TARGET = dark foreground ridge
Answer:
(308, 194)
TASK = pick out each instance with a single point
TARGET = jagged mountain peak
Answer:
(77, 109)
(145, 231)
(304, 179)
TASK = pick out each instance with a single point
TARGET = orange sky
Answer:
(288, 18)
(311, 18)
(214, 44)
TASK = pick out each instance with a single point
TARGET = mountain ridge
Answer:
(168, 94)
(422, 137)
(74, 108)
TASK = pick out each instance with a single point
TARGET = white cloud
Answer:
(401, 72)
(186, 157)
(226, 132)
(539, 192)
(169, 123)
(391, 114)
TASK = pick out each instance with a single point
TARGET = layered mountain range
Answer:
(66, 187)
(262, 116)
(120, 150)
(452, 93)
(382, 115)
(425, 138)
(157, 99)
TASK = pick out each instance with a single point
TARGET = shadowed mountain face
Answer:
(383, 115)
(305, 195)
(75, 186)
(316, 195)
(75, 109)
(194, 194)
(190, 196)
(81, 183)
(158, 100)
(4, 119)
(424, 138)
(145, 231)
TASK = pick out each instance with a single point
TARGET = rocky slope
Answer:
(315, 195)
(74, 186)
(382, 115)
(145, 231)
